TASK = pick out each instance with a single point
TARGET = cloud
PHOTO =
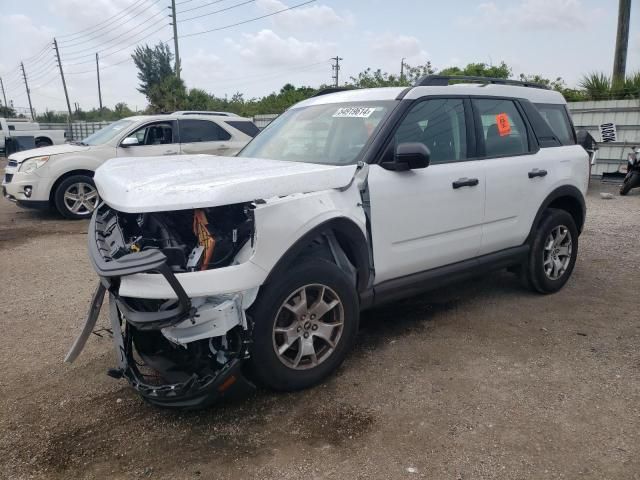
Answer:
(266, 48)
(393, 46)
(304, 18)
(200, 68)
(535, 15)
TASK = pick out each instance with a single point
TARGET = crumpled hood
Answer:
(52, 150)
(153, 184)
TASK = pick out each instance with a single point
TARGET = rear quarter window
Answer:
(248, 128)
(557, 118)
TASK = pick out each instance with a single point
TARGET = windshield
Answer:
(105, 134)
(332, 134)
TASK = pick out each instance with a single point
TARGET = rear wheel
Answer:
(553, 253)
(76, 197)
(43, 142)
(304, 326)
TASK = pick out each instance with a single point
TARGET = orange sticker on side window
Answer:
(504, 127)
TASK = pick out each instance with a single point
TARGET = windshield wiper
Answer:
(76, 142)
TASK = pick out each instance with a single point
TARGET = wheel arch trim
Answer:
(563, 194)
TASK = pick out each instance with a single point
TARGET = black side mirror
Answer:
(586, 140)
(409, 156)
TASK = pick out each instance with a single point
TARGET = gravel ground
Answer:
(484, 380)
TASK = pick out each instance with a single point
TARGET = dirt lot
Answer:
(484, 380)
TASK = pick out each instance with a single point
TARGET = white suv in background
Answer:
(258, 266)
(62, 176)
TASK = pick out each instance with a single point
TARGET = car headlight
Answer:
(32, 164)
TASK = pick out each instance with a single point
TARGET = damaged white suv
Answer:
(257, 266)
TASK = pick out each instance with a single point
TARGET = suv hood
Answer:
(53, 150)
(153, 184)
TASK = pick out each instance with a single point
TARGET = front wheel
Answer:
(76, 197)
(304, 325)
(553, 252)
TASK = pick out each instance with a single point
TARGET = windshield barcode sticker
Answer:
(354, 112)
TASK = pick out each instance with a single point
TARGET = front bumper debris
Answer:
(182, 322)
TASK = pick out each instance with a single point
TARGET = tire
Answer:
(43, 142)
(279, 371)
(549, 267)
(84, 190)
(624, 189)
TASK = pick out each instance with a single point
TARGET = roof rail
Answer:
(443, 80)
(328, 90)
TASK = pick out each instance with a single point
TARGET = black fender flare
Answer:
(566, 191)
(351, 239)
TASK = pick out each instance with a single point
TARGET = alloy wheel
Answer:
(557, 252)
(81, 198)
(308, 327)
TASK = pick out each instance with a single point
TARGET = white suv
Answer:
(258, 266)
(61, 176)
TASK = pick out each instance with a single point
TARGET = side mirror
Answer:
(587, 141)
(409, 156)
(129, 142)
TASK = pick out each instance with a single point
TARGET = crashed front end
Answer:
(175, 349)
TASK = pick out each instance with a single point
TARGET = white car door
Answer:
(430, 217)
(206, 136)
(149, 140)
(516, 172)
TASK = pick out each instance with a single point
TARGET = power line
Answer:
(249, 20)
(102, 48)
(104, 23)
(116, 51)
(85, 40)
(217, 11)
(199, 6)
(101, 68)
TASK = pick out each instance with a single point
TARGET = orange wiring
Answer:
(205, 239)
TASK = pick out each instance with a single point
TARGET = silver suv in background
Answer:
(61, 176)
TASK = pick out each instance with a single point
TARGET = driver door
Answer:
(153, 139)
(430, 217)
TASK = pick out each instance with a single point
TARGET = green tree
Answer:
(377, 78)
(479, 70)
(7, 112)
(154, 66)
(168, 95)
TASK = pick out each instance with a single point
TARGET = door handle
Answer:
(465, 182)
(537, 173)
(171, 152)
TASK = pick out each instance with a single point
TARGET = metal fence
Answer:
(624, 114)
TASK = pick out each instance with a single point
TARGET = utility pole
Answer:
(336, 69)
(402, 69)
(175, 37)
(24, 75)
(64, 84)
(99, 91)
(622, 41)
(3, 94)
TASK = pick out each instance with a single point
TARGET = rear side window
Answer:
(194, 131)
(503, 128)
(248, 128)
(558, 119)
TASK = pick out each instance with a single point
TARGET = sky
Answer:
(554, 38)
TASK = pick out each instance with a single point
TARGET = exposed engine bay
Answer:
(174, 351)
(191, 240)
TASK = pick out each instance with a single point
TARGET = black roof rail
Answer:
(443, 81)
(326, 91)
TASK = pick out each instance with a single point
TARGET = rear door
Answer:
(205, 136)
(430, 217)
(153, 139)
(517, 172)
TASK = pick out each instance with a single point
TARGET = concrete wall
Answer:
(625, 114)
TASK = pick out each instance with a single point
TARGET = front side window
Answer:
(107, 133)
(440, 125)
(558, 119)
(504, 130)
(331, 134)
(195, 131)
(160, 133)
